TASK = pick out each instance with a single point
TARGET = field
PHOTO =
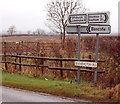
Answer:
(52, 47)
(28, 38)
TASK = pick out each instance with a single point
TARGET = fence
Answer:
(109, 49)
(43, 59)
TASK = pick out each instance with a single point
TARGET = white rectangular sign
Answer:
(86, 64)
(89, 18)
(101, 29)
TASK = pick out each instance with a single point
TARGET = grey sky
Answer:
(30, 14)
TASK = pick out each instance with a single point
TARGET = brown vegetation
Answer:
(108, 50)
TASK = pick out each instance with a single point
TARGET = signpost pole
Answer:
(78, 29)
(94, 23)
(96, 58)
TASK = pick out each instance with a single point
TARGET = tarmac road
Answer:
(18, 95)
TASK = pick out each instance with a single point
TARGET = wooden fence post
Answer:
(15, 62)
(5, 44)
(20, 63)
(20, 58)
(42, 63)
(61, 71)
(22, 47)
(38, 48)
(90, 57)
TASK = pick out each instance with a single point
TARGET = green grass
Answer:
(84, 90)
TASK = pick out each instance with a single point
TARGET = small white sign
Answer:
(86, 64)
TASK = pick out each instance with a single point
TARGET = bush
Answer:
(109, 49)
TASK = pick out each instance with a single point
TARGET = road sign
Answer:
(88, 23)
(98, 18)
(86, 64)
(101, 29)
(77, 19)
(89, 18)
(73, 30)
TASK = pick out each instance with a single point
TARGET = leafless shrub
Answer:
(109, 49)
(70, 47)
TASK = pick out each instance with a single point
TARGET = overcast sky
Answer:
(30, 14)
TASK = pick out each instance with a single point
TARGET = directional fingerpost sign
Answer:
(88, 23)
(98, 18)
(77, 19)
(89, 18)
(73, 30)
(101, 29)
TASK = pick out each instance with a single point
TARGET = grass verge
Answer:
(84, 90)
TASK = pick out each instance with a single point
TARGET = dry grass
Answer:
(85, 90)
(108, 49)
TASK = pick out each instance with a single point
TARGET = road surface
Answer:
(18, 95)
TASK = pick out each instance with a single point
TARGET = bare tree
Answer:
(11, 30)
(40, 31)
(58, 11)
(29, 32)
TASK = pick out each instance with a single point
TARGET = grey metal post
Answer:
(96, 58)
(78, 53)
